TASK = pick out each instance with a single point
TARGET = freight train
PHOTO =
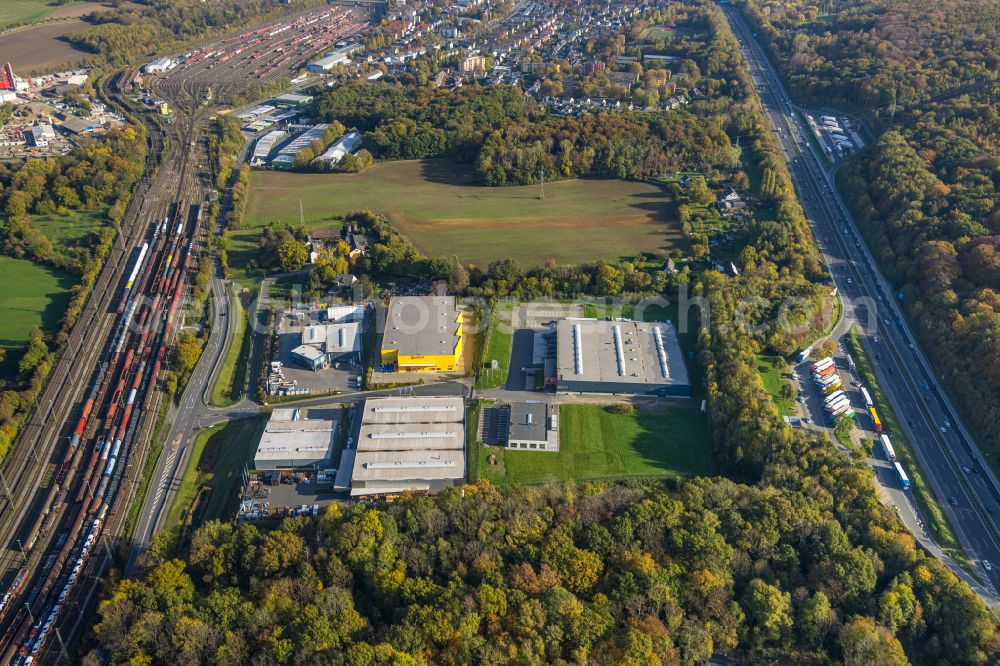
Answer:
(106, 430)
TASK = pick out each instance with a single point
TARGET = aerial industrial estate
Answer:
(359, 332)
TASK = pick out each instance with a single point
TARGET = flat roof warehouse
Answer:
(411, 443)
(422, 325)
(292, 442)
(619, 356)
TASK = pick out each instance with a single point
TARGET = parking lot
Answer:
(337, 378)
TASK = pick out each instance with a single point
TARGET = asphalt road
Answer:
(946, 453)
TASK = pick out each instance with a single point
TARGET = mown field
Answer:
(435, 205)
(595, 444)
(30, 295)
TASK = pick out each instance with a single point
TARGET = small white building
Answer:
(343, 313)
(159, 66)
(41, 135)
(339, 342)
(346, 144)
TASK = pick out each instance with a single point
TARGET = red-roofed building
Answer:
(7, 78)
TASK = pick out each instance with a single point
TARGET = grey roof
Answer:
(527, 422)
(302, 140)
(334, 338)
(421, 325)
(615, 352)
(407, 441)
(413, 409)
(304, 440)
(77, 124)
(265, 144)
(308, 352)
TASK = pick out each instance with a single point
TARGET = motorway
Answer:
(946, 453)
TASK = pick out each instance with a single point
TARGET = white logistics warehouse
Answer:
(292, 442)
(406, 443)
(619, 356)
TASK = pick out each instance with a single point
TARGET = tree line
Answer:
(511, 141)
(926, 193)
(99, 173)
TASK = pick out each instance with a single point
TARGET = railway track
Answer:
(77, 461)
(85, 488)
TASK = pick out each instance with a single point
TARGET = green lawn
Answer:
(594, 443)
(499, 338)
(30, 295)
(771, 375)
(435, 204)
(70, 230)
(229, 386)
(216, 462)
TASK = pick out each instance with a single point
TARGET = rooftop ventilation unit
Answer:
(415, 464)
(413, 409)
(616, 333)
(661, 352)
(412, 435)
(577, 350)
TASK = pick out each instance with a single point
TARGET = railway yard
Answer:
(75, 470)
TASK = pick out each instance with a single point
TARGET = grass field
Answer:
(30, 295)
(594, 443)
(771, 376)
(216, 462)
(23, 11)
(435, 205)
(229, 386)
(499, 338)
(67, 231)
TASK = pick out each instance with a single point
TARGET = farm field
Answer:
(594, 443)
(30, 295)
(16, 12)
(39, 48)
(434, 204)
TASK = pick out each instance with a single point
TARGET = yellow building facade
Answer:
(422, 334)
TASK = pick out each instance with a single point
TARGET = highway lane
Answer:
(901, 368)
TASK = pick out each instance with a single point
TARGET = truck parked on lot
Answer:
(822, 365)
(833, 397)
(826, 380)
(825, 372)
(867, 398)
(887, 446)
